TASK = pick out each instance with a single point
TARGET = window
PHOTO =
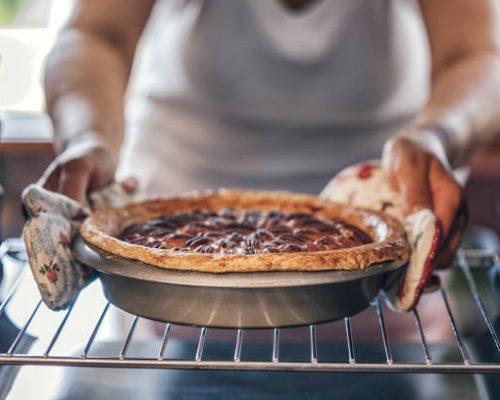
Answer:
(25, 40)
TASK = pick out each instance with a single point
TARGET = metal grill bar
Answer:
(313, 344)
(383, 331)
(128, 339)
(94, 332)
(350, 344)
(454, 326)
(237, 348)
(11, 292)
(23, 329)
(475, 293)
(201, 344)
(276, 345)
(274, 364)
(58, 331)
(252, 365)
(425, 345)
(164, 342)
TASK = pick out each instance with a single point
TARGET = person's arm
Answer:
(85, 82)
(461, 116)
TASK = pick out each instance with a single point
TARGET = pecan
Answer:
(263, 234)
(198, 241)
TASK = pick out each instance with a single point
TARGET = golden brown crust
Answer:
(103, 225)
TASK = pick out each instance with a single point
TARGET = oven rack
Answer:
(466, 262)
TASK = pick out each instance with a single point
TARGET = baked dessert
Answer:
(237, 231)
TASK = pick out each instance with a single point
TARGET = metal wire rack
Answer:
(468, 263)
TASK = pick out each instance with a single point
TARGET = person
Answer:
(277, 94)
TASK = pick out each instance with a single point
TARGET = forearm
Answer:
(85, 84)
(463, 110)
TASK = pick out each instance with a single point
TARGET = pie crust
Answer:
(102, 227)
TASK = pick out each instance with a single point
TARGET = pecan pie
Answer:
(236, 230)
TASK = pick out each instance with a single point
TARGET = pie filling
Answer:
(229, 231)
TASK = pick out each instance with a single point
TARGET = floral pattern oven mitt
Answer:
(53, 222)
(366, 185)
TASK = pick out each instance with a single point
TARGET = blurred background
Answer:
(27, 32)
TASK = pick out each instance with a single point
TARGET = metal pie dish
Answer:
(236, 299)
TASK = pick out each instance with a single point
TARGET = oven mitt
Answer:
(366, 185)
(53, 222)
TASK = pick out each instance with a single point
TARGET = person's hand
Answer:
(419, 171)
(81, 168)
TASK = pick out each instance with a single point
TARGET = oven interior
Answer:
(93, 336)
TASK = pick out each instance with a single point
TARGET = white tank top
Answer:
(245, 93)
